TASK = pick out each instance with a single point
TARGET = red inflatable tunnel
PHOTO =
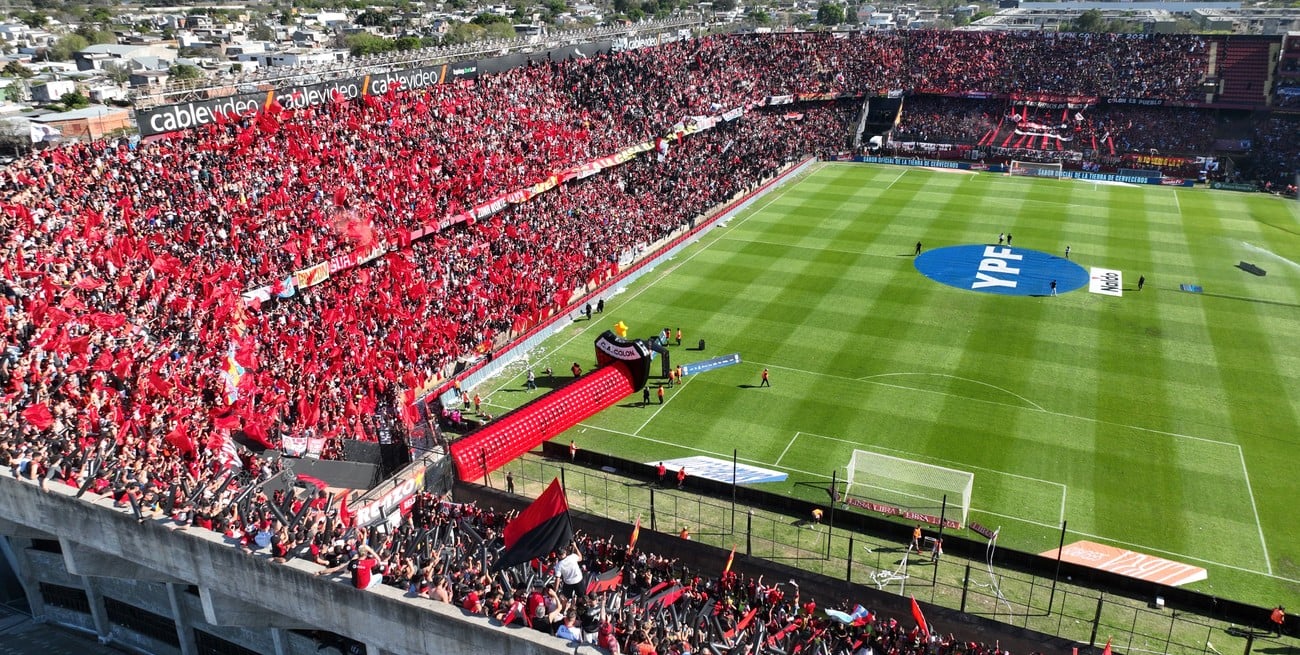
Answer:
(525, 428)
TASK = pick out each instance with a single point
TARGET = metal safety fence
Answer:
(1087, 617)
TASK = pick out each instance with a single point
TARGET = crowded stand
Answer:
(605, 591)
(1100, 132)
(135, 366)
(1158, 67)
(1278, 153)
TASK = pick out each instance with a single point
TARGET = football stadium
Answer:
(774, 343)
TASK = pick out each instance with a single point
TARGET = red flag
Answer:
(345, 514)
(39, 416)
(925, 629)
(636, 532)
(1106, 650)
(730, 558)
(180, 438)
(542, 528)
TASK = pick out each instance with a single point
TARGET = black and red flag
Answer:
(542, 528)
(607, 581)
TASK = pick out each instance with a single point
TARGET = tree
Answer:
(373, 19)
(118, 72)
(829, 14)
(33, 19)
(66, 45)
(407, 43)
(724, 5)
(74, 100)
(16, 69)
(363, 44)
(501, 31)
(761, 17)
(464, 33)
(1088, 21)
(486, 19)
(185, 72)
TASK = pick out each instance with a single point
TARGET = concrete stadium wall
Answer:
(151, 566)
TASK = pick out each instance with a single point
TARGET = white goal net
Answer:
(1034, 169)
(909, 484)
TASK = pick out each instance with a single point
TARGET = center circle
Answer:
(1002, 270)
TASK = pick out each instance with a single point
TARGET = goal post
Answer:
(1035, 169)
(909, 485)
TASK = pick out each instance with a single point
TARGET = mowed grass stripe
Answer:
(812, 284)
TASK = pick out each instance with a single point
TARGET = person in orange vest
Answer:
(681, 477)
(577, 369)
(662, 472)
(1278, 618)
(765, 382)
(685, 533)
(661, 393)
(679, 336)
(478, 402)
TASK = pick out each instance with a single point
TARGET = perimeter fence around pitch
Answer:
(1082, 615)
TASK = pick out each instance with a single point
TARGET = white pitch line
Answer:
(1064, 489)
(787, 447)
(1001, 404)
(958, 377)
(660, 408)
(1251, 494)
(935, 459)
(973, 509)
(771, 197)
(891, 184)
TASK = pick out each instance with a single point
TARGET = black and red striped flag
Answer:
(542, 528)
(607, 581)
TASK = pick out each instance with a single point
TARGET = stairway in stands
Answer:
(1245, 68)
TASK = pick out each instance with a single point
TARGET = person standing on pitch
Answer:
(918, 247)
(661, 393)
(764, 382)
(532, 381)
(1053, 286)
(1008, 238)
(1142, 281)
(1002, 236)
(645, 395)
(1067, 252)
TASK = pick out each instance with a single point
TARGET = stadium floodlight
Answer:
(1034, 169)
(909, 484)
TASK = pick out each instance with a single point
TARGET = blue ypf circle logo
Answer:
(995, 269)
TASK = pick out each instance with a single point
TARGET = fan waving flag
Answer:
(920, 618)
(730, 558)
(539, 530)
(636, 533)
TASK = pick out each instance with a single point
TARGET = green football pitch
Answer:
(1163, 421)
